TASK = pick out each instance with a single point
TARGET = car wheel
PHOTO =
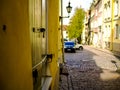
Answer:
(80, 48)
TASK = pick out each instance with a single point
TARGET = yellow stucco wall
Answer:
(15, 54)
(53, 28)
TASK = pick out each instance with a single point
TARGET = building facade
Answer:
(107, 23)
(96, 23)
(104, 24)
(65, 33)
(111, 27)
(86, 29)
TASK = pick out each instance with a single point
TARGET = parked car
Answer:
(69, 46)
(79, 46)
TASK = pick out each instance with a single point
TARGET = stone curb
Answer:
(105, 50)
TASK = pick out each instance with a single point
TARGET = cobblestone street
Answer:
(90, 69)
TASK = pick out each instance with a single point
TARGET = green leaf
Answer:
(76, 25)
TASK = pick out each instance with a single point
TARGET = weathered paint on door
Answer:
(38, 41)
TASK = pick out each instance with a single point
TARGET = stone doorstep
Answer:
(64, 70)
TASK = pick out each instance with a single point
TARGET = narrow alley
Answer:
(33, 37)
(90, 69)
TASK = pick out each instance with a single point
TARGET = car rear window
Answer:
(70, 43)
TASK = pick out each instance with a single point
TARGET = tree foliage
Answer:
(76, 25)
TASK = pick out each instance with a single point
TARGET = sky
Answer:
(74, 3)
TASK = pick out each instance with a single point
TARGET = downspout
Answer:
(62, 40)
(47, 26)
(112, 26)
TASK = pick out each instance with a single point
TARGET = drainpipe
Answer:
(112, 26)
(62, 31)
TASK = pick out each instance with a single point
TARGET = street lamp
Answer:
(69, 8)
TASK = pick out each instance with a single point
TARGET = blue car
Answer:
(69, 46)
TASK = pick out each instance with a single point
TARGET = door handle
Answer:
(39, 30)
(42, 30)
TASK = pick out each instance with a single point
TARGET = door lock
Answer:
(42, 30)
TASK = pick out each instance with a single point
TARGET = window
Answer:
(117, 31)
(109, 10)
(116, 6)
(105, 10)
(105, 32)
(109, 31)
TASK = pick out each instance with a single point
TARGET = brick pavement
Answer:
(90, 73)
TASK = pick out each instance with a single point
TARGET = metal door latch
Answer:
(49, 57)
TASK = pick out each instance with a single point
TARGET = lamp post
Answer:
(69, 8)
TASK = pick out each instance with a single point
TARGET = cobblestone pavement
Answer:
(90, 69)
